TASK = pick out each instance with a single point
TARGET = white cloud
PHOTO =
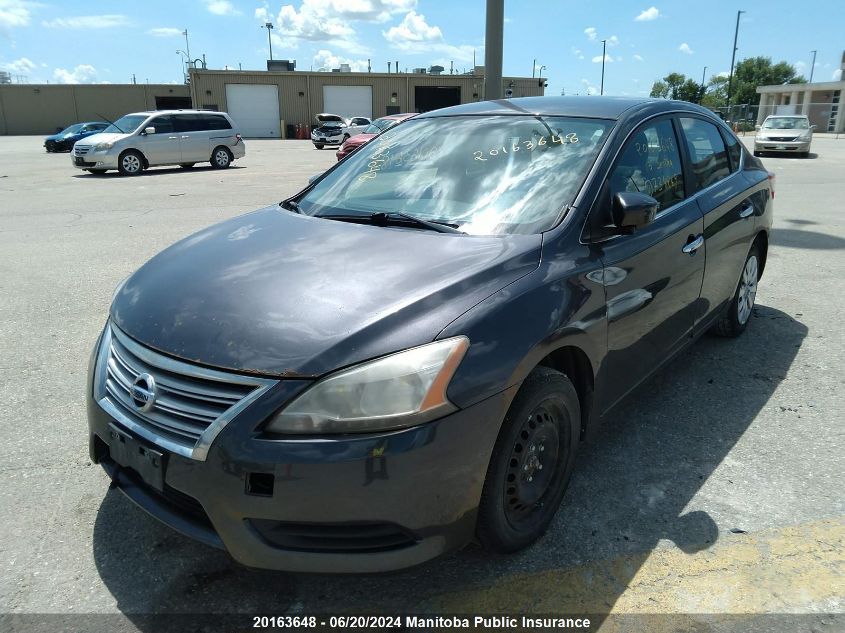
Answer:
(413, 28)
(589, 88)
(638, 58)
(325, 59)
(607, 59)
(314, 21)
(612, 40)
(652, 13)
(724, 73)
(165, 31)
(590, 32)
(577, 52)
(82, 74)
(415, 35)
(837, 75)
(22, 66)
(684, 48)
(88, 22)
(14, 13)
(221, 7)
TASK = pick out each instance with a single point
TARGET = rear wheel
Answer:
(531, 463)
(221, 158)
(735, 320)
(130, 163)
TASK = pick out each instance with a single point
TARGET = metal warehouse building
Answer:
(42, 108)
(265, 104)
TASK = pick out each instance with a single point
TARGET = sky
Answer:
(98, 41)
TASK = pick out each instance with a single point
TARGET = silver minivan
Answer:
(165, 137)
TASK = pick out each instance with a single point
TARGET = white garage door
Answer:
(348, 101)
(255, 109)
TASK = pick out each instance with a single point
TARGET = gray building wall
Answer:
(41, 108)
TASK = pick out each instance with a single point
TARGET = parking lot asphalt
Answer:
(717, 488)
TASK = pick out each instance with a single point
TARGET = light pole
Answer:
(533, 68)
(603, 58)
(733, 59)
(269, 27)
(493, 35)
(187, 45)
(185, 59)
(540, 73)
(813, 66)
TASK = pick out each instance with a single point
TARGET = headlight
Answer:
(804, 137)
(392, 392)
(102, 146)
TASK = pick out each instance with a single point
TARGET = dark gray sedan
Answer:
(406, 355)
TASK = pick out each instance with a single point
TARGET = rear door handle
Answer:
(186, 136)
(746, 210)
(693, 245)
(172, 137)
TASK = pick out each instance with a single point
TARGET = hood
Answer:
(289, 295)
(105, 137)
(325, 117)
(358, 139)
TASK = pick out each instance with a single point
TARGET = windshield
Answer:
(127, 124)
(73, 129)
(379, 125)
(786, 123)
(486, 175)
(331, 124)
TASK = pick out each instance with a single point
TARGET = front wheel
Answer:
(757, 154)
(130, 163)
(221, 158)
(531, 463)
(187, 165)
(735, 320)
(319, 145)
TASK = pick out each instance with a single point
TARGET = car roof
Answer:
(787, 116)
(587, 106)
(186, 111)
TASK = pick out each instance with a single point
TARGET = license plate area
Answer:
(128, 452)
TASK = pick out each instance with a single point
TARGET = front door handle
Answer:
(746, 210)
(693, 245)
(186, 136)
(172, 137)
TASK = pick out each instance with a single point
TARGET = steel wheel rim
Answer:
(131, 163)
(532, 465)
(222, 157)
(747, 290)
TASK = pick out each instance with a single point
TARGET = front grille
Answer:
(81, 150)
(191, 404)
(333, 538)
(782, 138)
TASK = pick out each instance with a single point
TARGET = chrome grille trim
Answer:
(81, 150)
(193, 403)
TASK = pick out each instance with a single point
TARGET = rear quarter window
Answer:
(708, 155)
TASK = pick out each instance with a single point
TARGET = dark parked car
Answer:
(406, 355)
(63, 141)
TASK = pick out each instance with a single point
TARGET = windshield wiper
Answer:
(110, 122)
(291, 205)
(394, 218)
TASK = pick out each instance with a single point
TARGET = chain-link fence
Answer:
(743, 117)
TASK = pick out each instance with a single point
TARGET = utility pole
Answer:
(493, 37)
(603, 58)
(733, 59)
(187, 45)
(533, 68)
(269, 27)
(813, 66)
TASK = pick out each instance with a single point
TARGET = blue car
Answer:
(63, 141)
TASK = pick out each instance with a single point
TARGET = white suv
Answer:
(333, 129)
(166, 137)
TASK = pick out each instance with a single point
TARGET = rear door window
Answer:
(190, 123)
(708, 155)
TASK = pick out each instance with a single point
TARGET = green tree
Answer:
(716, 92)
(759, 71)
(689, 91)
(659, 90)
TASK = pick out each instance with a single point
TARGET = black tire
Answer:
(97, 172)
(221, 157)
(319, 145)
(758, 154)
(540, 432)
(130, 163)
(805, 154)
(187, 165)
(738, 314)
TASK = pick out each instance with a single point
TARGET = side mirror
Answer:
(757, 127)
(149, 130)
(632, 209)
(313, 178)
(813, 127)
